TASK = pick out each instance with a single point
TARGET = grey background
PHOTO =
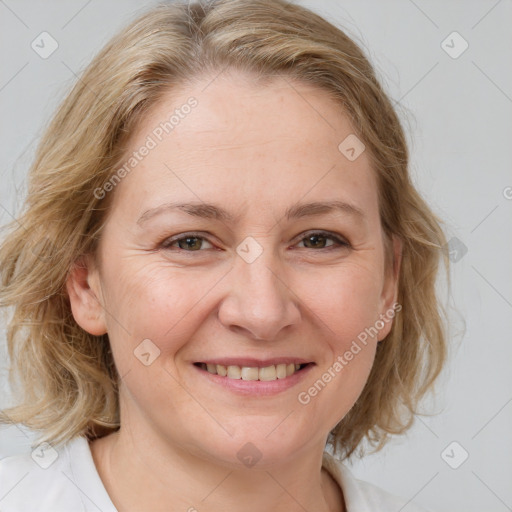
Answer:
(458, 114)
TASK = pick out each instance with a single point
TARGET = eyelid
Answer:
(339, 240)
(167, 242)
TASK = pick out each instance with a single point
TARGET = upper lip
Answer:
(254, 362)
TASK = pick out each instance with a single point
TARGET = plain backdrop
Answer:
(456, 104)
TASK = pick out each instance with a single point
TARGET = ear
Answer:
(389, 295)
(84, 290)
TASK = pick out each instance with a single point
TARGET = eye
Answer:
(191, 242)
(318, 240)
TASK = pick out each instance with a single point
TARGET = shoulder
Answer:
(47, 479)
(364, 496)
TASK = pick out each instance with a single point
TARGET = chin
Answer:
(252, 447)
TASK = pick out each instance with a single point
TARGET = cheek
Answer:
(156, 302)
(346, 300)
(154, 311)
(345, 304)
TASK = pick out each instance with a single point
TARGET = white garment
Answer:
(71, 483)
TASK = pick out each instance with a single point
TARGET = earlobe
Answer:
(83, 287)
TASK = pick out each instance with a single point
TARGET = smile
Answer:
(265, 373)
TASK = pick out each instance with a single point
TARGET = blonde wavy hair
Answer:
(64, 379)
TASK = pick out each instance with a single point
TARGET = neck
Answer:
(142, 473)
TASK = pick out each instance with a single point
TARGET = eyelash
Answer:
(168, 242)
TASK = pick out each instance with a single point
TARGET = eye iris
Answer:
(194, 243)
(315, 239)
(184, 243)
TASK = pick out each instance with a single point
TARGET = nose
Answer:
(259, 303)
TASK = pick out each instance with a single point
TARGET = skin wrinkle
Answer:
(212, 303)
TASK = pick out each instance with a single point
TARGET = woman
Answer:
(222, 270)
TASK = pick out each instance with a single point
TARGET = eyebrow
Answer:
(212, 211)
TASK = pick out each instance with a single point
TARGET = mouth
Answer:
(254, 371)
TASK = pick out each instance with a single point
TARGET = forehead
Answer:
(247, 143)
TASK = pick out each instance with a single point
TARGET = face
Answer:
(247, 276)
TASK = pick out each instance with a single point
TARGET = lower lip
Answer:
(257, 387)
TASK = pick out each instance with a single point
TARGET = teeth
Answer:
(250, 373)
(234, 372)
(273, 372)
(281, 371)
(268, 373)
